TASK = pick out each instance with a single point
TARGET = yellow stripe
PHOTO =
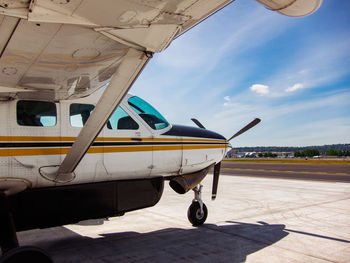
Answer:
(33, 151)
(113, 149)
(119, 149)
(167, 147)
(195, 147)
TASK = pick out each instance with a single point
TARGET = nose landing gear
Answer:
(197, 212)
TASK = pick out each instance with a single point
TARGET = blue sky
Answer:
(245, 62)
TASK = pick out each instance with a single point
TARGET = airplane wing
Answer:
(66, 49)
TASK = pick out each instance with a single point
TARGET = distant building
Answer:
(237, 154)
(251, 155)
(287, 155)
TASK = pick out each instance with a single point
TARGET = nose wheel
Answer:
(197, 212)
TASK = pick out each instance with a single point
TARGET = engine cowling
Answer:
(183, 183)
(295, 8)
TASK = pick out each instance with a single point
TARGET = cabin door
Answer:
(127, 146)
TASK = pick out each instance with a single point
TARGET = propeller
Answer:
(246, 128)
(217, 166)
(200, 125)
(215, 180)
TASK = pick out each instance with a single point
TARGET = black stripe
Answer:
(153, 143)
(69, 144)
(187, 131)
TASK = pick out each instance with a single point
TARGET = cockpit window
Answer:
(120, 120)
(149, 114)
(36, 113)
(79, 114)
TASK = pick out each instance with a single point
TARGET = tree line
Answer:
(333, 152)
(307, 153)
(315, 152)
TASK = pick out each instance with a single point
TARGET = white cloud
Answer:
(228, 101)
(260, 89)
(295, 87)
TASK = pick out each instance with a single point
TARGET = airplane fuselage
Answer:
(133, 150)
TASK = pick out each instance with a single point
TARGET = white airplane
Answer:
(67, 155)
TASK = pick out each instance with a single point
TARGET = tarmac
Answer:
(252, 220)
(302, 171)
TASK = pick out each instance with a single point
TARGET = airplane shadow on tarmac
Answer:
(232, 242)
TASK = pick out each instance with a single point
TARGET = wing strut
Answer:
(127, 72)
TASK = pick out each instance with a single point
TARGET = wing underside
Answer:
(65, 49)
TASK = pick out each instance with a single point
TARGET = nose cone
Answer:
(188, 131)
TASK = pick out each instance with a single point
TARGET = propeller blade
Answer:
(198, 123)
(215, 180)
(246, 128)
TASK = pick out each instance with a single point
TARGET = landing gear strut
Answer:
(197, 212)
(11, 251)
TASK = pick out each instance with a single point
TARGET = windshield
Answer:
(149, 114)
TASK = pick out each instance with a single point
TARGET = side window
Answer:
(36, 113)
(79, 113)
(120, 120)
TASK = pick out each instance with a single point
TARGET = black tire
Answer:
(26, 254)
(194, 215)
